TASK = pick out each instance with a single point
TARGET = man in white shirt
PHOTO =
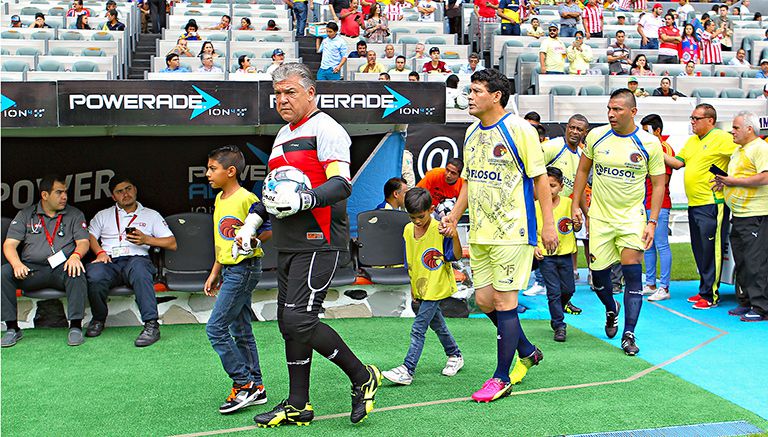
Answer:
(683, 10)
(740, 60)
(278, 57)
(208, 66)
(121, 237)
(648, 28)
(426, 10)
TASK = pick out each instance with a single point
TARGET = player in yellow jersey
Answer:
(620, 156)
(707, 212)
(503, 168)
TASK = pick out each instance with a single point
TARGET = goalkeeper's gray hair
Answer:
(294, 69)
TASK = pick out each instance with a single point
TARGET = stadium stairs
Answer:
(142, 56)
(308, 55)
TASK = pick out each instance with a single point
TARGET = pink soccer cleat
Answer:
(493, 389)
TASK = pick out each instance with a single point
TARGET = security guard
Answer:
(55, 239)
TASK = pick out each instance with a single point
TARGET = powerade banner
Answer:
(142, 103)
(28, 106)
(168, 171)
(369, 102)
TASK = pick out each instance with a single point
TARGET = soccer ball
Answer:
(444, 208)
(281, 190)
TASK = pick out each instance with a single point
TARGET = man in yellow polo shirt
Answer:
(707, 211)
(746, 193)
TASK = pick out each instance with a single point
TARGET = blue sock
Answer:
(633, 295)
(494, 318)
(601, 283)
(524, 347)
(508, 336)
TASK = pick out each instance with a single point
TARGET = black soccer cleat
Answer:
(628, 344)
(612, 321)
(363, 395)
(570, 308)
(284, 413)
(560, 335)
(243, 396)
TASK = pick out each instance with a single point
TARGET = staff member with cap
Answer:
(763, 73)
(278, 57)
(55, 239)
(552, 53)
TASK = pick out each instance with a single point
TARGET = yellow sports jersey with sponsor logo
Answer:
(429, 263)
(699, 154)
(748, 160)
(228, 216)
(500, 162)
(620, 164)
(563, 224)
(557, 154)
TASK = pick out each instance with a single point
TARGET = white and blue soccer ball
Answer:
(444, 208)
(282, 186)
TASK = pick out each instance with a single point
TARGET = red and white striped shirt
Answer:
(625, 5)
(593, 19)
(641, 5)
(394, 11)
(710, 49)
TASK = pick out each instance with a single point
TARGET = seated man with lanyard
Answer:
(394, 194)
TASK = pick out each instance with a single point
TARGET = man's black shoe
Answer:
(94, 328)
(149, 335)
(560, 335)
(363, 395)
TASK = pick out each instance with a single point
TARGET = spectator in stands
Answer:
(419, 51)
(763, 73)
(113, 24)
(426, 10)
(181, 49)
(453, 15)
(385, 77)
(77, 9)
(579, 54)
(621, 20)
(82, 22)
(245, 24)
(208, 67)
(640, 67)
(683, 12)
(157, 11)
(121, 237)
(690, 66)
(376, 26)
(472, 65)
(740, 59)
(534, 29)
(711, 51)
(47, 227)
(413, 76)
(723, 22)
(336, 6)
(278, 57)
(509, 13)
(365, 7)
(764, 95)
(245, 65)
(435, 65)
(145, 16)
(593, 20)
(207, 49)
(444, 183)
(533, 118)
(372, 66)
(389, 52)
(648, 28)
(618, 55)
(16, 21)
(706, 212)
(362, 50)
(394, 10)
(665, 90)
(224, 24)
(632, 85)
(552, 53)
(670, 39)
(111, 6)
(334, 51)
(272, 26)
(40, 21)
(394, 194)
(454, 98)
(745, 8)
(351, 22)
(653, 124)
(689, 45)
(399, 65)
(485, 10)
(190, 31)
(570, 15)
(746, 192)
(300, 11)
(173, 64)
(759, 18)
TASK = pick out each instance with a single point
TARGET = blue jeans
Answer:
(653, 44)
(135, 271)
(510, 29)
(567, 31)
(429, 315)
(558, 278)
(300, 13)
(328, 74)
(317, 10)
(229, 326)
(660, 244)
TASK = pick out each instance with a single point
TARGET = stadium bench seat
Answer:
(379, 247)
(563, 90)
(592, 90)
(27, 51)
(84, 67)
(11, 34)
(59, 51)
(42, 35)
(707, 93)
(188, 267)
(732, 93)
(15, 66)
(50, 65)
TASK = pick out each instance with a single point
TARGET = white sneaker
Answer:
(647, 290)
(398, 375)
(454, 364)
(660, 294)
(535, 290)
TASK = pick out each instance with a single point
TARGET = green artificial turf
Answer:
(109, 387)
(683, 264)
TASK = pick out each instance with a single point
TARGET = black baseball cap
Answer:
(434, 50)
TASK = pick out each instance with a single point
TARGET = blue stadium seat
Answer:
(50, 65)
(59, 51)
(85, 67)
(592, 90)
(707, 93)
(732, 93)
(14, 66)
(563, 90)
(42, 35)
(27, 51)
(103, 36)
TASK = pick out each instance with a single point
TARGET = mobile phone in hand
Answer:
(717, 171)
(129, 230)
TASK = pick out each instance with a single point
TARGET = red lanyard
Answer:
(48, 236)
(117, 220)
